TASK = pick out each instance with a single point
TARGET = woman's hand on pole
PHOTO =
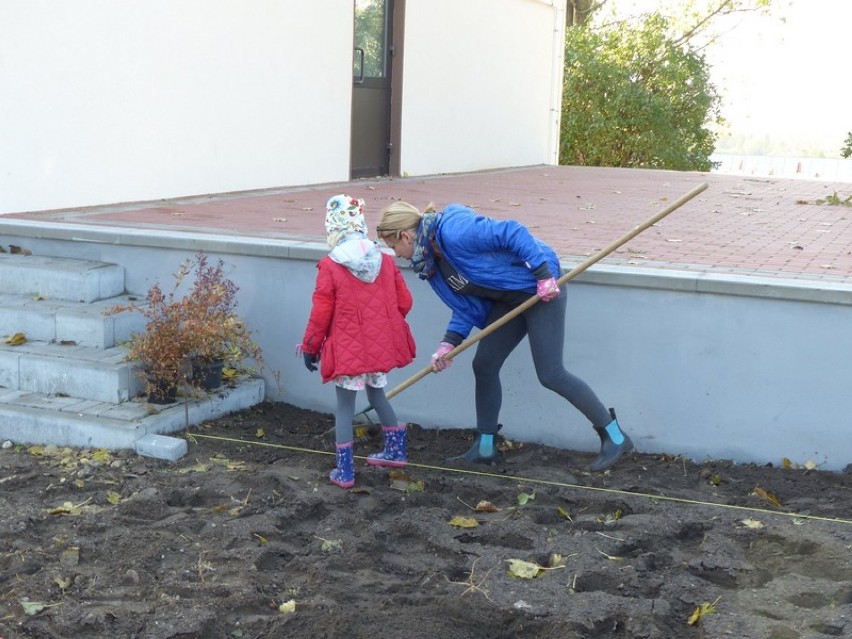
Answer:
(547, 289)
(438, 362)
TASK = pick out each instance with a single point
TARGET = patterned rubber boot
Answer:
(614, 445)
(394, 455)
(344, 474)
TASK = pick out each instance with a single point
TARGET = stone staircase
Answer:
(68, 384)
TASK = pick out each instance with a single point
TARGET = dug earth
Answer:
(244, 537)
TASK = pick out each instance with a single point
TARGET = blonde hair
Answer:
(398, 217)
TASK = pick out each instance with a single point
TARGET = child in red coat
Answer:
(357, 331)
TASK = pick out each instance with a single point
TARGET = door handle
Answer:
(359, 53)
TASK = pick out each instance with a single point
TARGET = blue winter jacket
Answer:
(495, 254)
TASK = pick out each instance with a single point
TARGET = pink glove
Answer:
(438, 362)
(547, 289)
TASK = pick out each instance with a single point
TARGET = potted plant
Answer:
(217, 337)
(162, 348)
(190, 338)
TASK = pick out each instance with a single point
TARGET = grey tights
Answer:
(544, 324)
(345, 413)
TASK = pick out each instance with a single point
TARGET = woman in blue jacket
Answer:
(482, 268)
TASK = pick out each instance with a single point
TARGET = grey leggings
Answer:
(345, 413)
(544, 324)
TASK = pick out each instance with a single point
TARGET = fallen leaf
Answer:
(288, 607)
(401, 481)
(523, 498)
(16, 340)
(102, 456)
(754, 524)
(700, 611)
(197, 468)
(463, 522)
(486, 507)
(766, 496)
(32, 607)
(556, 561)
(67, 508)
(523, 569)
(331, 546)
(113, 497)
(562, 512)
(63, 583)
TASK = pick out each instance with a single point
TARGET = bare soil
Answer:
(245, 537)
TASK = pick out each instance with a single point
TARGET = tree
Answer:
(637, 90)
(635, 97)
(846, 151)
(579, 11)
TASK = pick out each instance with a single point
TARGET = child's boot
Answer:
(394, 454)
(344, 474)
(614, 445)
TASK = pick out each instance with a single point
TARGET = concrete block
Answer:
(60, 278)
(161, 447)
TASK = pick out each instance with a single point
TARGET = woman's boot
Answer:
(394, 454)
(484, 449)
(344, 474)
(614, 445)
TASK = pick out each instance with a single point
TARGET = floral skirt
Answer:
(359, 382)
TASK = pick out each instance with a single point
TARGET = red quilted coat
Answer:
(359, 327)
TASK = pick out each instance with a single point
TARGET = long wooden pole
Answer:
(570, 275)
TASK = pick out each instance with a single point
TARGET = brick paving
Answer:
(742, 225)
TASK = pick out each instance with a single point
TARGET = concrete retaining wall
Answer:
(701, 365)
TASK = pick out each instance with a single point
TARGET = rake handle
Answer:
(570, 275)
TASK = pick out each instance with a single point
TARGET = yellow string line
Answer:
(547, 482)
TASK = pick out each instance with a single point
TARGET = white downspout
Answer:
(558, 62)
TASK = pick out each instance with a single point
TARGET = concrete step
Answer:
(83, 323)
(58, 278)
(78, 371)
(39, 418)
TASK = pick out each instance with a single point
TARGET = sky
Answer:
(787, 79)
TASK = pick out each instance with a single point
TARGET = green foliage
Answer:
(836, 200)
(632, 97)
(370, 36)
(846, 151)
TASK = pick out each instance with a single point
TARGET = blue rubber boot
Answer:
(344, 474)
(396, 440)
(614, 445)
(484, 449)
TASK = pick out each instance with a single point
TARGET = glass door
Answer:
(371, 145)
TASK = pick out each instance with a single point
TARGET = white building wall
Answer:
(483, 84)
(104, 101)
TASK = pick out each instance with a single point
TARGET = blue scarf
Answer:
(423, 257)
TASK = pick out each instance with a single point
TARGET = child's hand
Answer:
(310, 361)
